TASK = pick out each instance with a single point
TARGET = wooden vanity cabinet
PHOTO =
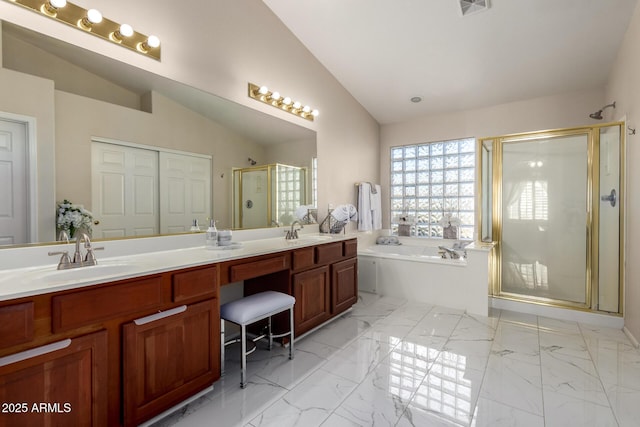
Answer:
(120, 353)
(63, 383)
(324, 282)
(91, 353)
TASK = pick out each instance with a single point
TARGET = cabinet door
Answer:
(168, 357)
(59, 384)
(344, 285)
(312, 293)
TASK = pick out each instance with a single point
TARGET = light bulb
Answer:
(275, 96)
(263, 90)
(286, 101)
(306, 109)
(126, 30)
(51, 7)
(297, 105)
(94, 16)
(315, 113)
(153, 41)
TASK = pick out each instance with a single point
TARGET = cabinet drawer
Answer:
(329, 252)
(195, 283)
(258, 268)
(16, 324)
(351, 248)
(91, 306)
(303, 258)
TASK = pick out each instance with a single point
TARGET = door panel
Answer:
(14, 191)
(544, 218)
(609, 220)
(187, 180)
(124, 190)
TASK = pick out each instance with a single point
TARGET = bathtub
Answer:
(414, 253)
(415, 271)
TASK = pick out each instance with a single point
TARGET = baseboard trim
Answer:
(599, 319)
(629, 335)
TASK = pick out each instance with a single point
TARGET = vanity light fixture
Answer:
(92, 21)
(285, 103)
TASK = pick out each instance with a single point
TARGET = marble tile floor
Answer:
(396, 363)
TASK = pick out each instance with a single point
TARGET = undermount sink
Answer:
(83, 273)
(312, 238)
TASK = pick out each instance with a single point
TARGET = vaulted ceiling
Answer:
(384, 52)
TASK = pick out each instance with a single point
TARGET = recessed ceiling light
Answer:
(416, 99)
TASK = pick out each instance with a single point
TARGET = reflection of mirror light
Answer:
(275, 99)
(88, 20)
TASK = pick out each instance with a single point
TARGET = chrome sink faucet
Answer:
(89, 258)
(293, 233)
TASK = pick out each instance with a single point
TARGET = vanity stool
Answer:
(251, 309)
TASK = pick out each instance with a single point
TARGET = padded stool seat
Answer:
(251, 309)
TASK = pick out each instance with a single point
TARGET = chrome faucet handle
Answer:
(90, 257)
(65, 261)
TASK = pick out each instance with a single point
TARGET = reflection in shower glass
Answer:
(544, 217)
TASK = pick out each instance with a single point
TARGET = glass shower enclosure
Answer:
(266, 195)
(552, 202)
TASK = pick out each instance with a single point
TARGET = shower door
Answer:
(557, 216)
(545, 218)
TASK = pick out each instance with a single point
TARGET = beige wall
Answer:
(552, 112)
(624, 88)
(34, 97)
(170, 126)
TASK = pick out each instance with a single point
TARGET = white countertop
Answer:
(41, 279)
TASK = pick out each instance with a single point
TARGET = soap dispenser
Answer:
(212, 235)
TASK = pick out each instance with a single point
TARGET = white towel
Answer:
(376, 208)
(345, 213)
(365, 221)
(302, 213)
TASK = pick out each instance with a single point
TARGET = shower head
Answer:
(598, 114)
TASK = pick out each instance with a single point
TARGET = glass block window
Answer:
(433, 179)
(290, 192)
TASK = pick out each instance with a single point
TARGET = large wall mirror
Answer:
(61, 100)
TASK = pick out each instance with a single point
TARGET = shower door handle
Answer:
(611, 197)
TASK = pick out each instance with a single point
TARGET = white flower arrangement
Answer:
(73, 217)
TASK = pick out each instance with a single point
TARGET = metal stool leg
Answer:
(291, 333)
(270, 335)
(222, 346)
(243, 362)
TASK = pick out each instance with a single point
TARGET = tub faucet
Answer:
(453, 254)
(293, 233)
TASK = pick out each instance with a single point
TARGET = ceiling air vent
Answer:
(468, 7)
